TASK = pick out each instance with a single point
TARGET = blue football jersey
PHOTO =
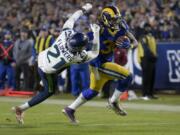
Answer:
(107, 43)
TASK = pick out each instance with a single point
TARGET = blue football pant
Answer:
(80, 79)
(49, 87)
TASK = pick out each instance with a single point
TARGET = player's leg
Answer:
(95, 86)
(11, 77)
(145, 79)
(17, 77)
(26, 72)
(115, 71)
(2, 75)
(85, 78)
(113, 101)
(152, 80)
(75, 78)
(49, 85)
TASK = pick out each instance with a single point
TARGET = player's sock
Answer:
(115, 96)
(78, 102)
(122, 86)
(24, 106)
(83, 97)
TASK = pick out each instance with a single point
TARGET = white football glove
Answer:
(87, 7)
(95, 28)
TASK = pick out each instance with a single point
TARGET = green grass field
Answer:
(47, 119)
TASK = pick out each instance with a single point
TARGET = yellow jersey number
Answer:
(109, 46)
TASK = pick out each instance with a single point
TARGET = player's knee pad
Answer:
(89, 94)
(123, 84)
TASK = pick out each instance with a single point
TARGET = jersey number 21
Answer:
(55, 54)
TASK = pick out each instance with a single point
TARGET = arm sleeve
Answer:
(124, 25)
(69, 24)
(94, 52)
(128, 33)
(132, 37)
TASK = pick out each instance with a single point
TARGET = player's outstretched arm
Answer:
(71, 21)
(96, 43)
(132, 37)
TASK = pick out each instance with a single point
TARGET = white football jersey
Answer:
(58, 57)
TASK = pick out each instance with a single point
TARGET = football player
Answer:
(69, 48)
(113, 33)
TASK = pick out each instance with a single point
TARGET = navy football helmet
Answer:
(77, 42)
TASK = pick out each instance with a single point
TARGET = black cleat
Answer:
(69, 113)
(116, 108)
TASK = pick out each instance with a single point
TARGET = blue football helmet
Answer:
(77, 42)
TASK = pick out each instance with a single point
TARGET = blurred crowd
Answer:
(162, 15)
(25, 20)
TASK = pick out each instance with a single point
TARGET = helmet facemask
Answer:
(75, 49)
(77, 43)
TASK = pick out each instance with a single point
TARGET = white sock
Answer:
(115, 96)
(24, 106)
(78, 102)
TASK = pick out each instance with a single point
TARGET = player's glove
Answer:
(125, 45)
(87, 8)
(123, 42)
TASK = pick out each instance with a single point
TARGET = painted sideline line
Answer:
(135, 106)
(131, 124)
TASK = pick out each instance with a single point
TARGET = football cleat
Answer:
(19, 114)
(69, 113)
(116, 108)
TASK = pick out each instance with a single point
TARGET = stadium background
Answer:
(157, 117)
(162, 15)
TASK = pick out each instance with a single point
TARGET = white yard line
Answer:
(129, 124)
(135, 106)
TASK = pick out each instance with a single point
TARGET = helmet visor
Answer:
(75, 49)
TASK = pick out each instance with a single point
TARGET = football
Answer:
(122, 39)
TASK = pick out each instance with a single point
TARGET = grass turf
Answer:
(166, 99)
(47, 119)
